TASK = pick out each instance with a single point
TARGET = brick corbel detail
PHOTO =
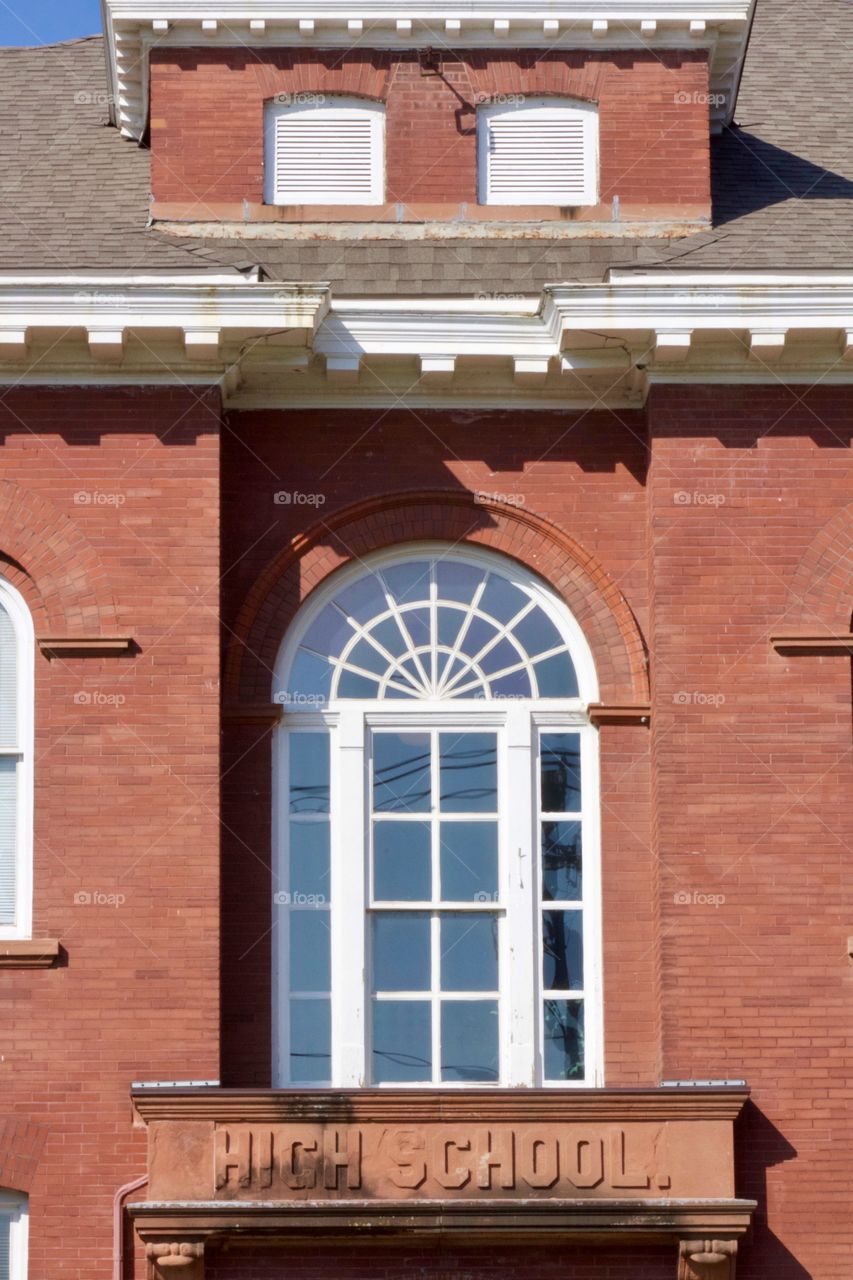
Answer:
(446, 516)
(21, 1147)
(179, 1260)
(707, 1259)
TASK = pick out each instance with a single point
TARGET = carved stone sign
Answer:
(438, 1161)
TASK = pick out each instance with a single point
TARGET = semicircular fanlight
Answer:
(432, 628)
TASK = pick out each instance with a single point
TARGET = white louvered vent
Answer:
(5, 1246)
(328, 151)
(541, 151)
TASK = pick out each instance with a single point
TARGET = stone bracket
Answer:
(176, 1260)
(707, 1259)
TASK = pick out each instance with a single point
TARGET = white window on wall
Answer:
(324, 150)
(16, 750)
(538, 151)
(436, 897)
(13, 1236)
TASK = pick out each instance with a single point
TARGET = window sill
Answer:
(28, 953)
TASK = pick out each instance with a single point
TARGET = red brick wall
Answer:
(115, 503)
(753, 760)
(207, 109)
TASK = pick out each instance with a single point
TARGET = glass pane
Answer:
(353, 685)
(309, 772)
(8, 681)
(562, 940)
(449, 624)
(409, 582)
(402, 869)
(564, 1040)
(310, 1041)
(561, 773)
(561, 861)
(310, 682)
(417, 624)
(402, 1041)
(536, 633)
(363, 599)
(309, 861)
(469, 952)
(401, 772)
(401, 951)
(501, 656)
(8, 828)
(516, 685)
(469, 772)
(556, 677)
(328, 633)
(469, 861)
(310, 950)
(368, 657)
(479, 634)
(501, 600)
(469, 1040)
(457, 581)
(389, 635)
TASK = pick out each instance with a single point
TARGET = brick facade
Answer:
(716, 516)
(651, 105)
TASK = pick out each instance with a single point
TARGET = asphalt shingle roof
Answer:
(74, 194)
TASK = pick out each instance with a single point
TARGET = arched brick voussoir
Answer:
(821, 595)
(54, 565)
(454, 517)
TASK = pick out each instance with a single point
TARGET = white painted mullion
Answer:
(349, 835)
(519, 1014)
(467, 619)
(503, 633)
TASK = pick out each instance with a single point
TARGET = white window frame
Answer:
(541, 108)
(518, 725)
(22, 625)
(14, 1206)
(345, 107)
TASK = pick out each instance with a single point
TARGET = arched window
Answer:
(13, 1236)
(436, 898)
(16, 734)
(538, 151)
(324, 149)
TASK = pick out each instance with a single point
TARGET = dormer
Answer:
(469, 114)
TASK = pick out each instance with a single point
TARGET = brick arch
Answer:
(822, 588)
(448, 516)
(554, 74)
(51, 562)
(362, 73)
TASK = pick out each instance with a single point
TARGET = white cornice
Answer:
(133, 27)
(285, 343)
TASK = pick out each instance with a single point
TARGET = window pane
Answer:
(561, 773)
(402, 1041)
(537, 633)
(501, 599)
(8, 840)
(309, 772)
(516, 685)
(328, 632)
(564, 1040)
(353, 685)
(561, 861)
(310, 1041)
(401, 951)
(457, 581)
(309, 860)
(556, 677)
(469, 1040)
(469, 772)
(409, 582)
(402, 868)
(401, 772)
(469, 952)
(8, 681)
(469, 861)
(562, 940)
(310, 682)
(310, 950)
